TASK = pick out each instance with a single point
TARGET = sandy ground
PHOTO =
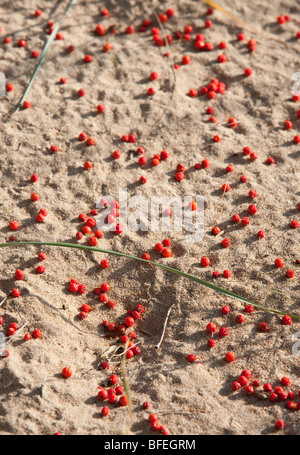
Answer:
(188, 398)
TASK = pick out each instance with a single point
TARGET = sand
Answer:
(188, 398)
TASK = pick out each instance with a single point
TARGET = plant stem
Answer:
(156, 264)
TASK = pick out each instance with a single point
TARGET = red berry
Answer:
(211, 327)
(290, 274)
(286, 320)
(36, 333)
(268, 387)
(19, 275)
(263, 327)
(67, 372)
(105, 411)
(294, 224)
(230, 357)
(191, 358)
(285, 381)
(279, 263)
(223, 332)
(186, 59)
(205, 262)
(226, 243)
(104, 264)
(226, 274)
(252, 209)
(235, 386)
(279, 424)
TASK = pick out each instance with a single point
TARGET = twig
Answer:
(126, 387)
(44, 52)
(164, 327)
(4, 300)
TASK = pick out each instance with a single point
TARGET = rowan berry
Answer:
(22, 43)
(267, 387)
(205, 262)
(67, 372)
(211, 327)
(285, 381)
(248, 309)
(36, 333)
(70, 48)
(191, 358)
(270, 160)
(242, 380)
(145, 256)
(81, 289)
(229, 168)
(230, 357)
(178, 176)
(279, 424)
(263, 327)
(223, 332)
(151, 91)
(279, 263)
(245, 221)
(186, 60)
(235, 386)
(216, 230)
(226, 243)
(13, 225)
(225, 310)
(16, 293)
(243, 179)
(240, 319)
(286, 320)
(247, 373)
(217, 138)
(40, 269)
(297, 139)
(222, 59)
(252, 209)
(100, 108)
(251, 45)
(105, 411)
(226, 274)
(290, 405)
(255, 383)
(247, 72)
(249, 390)
(27, 336)
(288, 125)
(236, 218)
(19, 275)
(211, 343)
(226, 187)
(253, 156)
(290, 274)
(294, 224)
(104, 264)
(81, 92)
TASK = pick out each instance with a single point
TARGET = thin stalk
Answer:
(44, 52)
(156, 264)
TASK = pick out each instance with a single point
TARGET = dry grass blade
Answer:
(207, 284)
(127, 388)
(44, 52)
